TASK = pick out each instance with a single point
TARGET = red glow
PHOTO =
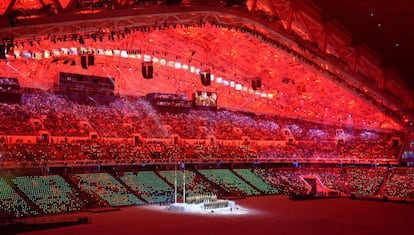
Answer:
(64, 3)
(3, 5)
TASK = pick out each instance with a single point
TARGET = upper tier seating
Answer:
(14, 120)
(134, 117)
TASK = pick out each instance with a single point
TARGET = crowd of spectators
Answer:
(332, 178)
(128, 117)
(52, 194)
(366, 182)
(308, 131)
(400, 184)
(287, 181)
(363, 182)
(54, 111)
(14, 120)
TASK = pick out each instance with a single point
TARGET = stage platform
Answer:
(207, 205)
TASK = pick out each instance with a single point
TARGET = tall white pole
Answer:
(183, 183)
(175, 184)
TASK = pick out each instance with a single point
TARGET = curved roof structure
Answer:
(309, 67)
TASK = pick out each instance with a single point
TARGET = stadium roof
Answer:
(237, 43)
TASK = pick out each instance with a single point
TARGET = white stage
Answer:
(199, 208)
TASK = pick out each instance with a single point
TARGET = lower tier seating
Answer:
(194, 185)
(227, 179)
(106, 187)
(148, 185)
(12, 203)
(52, 194)
(256, 181)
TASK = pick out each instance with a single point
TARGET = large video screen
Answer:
(205, 99)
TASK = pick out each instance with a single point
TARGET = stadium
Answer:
(296, 115)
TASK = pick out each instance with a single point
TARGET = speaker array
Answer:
(147, 70)
(87, 61)
(2, 52)
(91, 60)
(83, 62)
(205, 78)
(256, 84)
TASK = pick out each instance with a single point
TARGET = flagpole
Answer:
(175, 184)
(183, 182)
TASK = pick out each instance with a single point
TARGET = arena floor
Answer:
(267, 215)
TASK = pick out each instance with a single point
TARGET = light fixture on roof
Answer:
(205, 77)
(147, 69)
(2, 52)
(256, 83)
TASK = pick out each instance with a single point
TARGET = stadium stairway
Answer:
(164, 179)
(169, 183)
(85, 198)
(247, 182)
(89, 200)
(58, 153)
(222, 191)
(383, 184)
(129, 189)
(24, 197)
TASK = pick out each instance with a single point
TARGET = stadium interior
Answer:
(106, 103)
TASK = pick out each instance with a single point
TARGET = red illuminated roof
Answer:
(233, 44)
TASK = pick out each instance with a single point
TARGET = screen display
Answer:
(206, 98)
